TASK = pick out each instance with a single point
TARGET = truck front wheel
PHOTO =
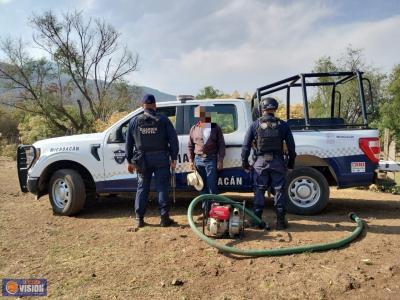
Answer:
(307, 191)
(67, 192)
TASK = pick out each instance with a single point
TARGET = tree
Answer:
(235, 94)
(320, 104)
(247, 96)
(351, 59)
(209, 92)
(27, 78)
(8, 126)
(85, 62)
(34, 128)
(389, 111)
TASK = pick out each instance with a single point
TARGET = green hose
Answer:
(266, 252)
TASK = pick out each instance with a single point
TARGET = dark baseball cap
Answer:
(148, 99)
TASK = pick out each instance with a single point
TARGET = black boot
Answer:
(139, 222)
(281, 222)
(262, 225)
(166, 221)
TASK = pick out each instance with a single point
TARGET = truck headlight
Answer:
(32, 155)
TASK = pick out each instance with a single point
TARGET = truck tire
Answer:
(307, 191)
(67, 192)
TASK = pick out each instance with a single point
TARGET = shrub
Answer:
(34, 128)
(116, 116)
(9, 150)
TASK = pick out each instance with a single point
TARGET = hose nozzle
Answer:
(353, 216)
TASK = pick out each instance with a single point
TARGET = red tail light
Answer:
(371, 148)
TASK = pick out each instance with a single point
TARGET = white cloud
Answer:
(232, 44)
(5, 1)
(275, 41)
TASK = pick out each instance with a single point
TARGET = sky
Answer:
(184, 45)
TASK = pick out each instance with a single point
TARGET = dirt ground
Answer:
(93, 256)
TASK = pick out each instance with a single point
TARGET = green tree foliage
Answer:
(209, 92)
(389, 111)
(33, 128)
(350, 108)
(225, 121)
(320, 105)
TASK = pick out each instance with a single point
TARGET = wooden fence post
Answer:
(386, 141)
(392, 156)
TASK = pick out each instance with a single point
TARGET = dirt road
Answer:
(92, 256)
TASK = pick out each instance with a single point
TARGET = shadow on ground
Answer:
(329, 220)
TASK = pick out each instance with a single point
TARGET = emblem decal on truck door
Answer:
(119, 156)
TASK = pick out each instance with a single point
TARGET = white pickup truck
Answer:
(73, 169)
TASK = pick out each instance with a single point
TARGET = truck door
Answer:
(117, 177)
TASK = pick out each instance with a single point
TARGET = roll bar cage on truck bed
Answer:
(335, 79)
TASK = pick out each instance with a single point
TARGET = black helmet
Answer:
(269, 103)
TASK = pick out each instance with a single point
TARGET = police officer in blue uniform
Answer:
(268, 135)
(151, 148)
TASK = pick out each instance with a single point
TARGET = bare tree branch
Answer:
(86, 51)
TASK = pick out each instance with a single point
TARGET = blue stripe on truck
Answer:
(230, 179)
(236, 179)
(345, 177)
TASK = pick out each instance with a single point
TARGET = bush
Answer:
(9, 150)
(9, 120)
(34, 128)
(116, 116)
(386, 185)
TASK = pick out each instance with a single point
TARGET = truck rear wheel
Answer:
(67, 192)
(307, 191)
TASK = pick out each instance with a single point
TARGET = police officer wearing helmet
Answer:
(151, 148)
(268, 134)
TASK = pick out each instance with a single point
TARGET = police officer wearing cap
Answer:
(151, 148)
(268, 134)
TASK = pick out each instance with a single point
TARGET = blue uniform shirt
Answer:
(173, 144)
(286, 134)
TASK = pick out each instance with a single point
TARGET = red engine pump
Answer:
(219, 212)
(223, 219)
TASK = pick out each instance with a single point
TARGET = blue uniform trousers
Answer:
(157, 164)
(207, 168)
(269, 175)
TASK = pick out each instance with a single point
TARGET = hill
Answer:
(11, 97)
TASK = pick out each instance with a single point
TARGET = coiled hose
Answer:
(266, 252)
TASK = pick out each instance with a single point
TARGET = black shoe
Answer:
(281, 223)
(254, 225)
(166, 221)
(262, 225)
(139, 222)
